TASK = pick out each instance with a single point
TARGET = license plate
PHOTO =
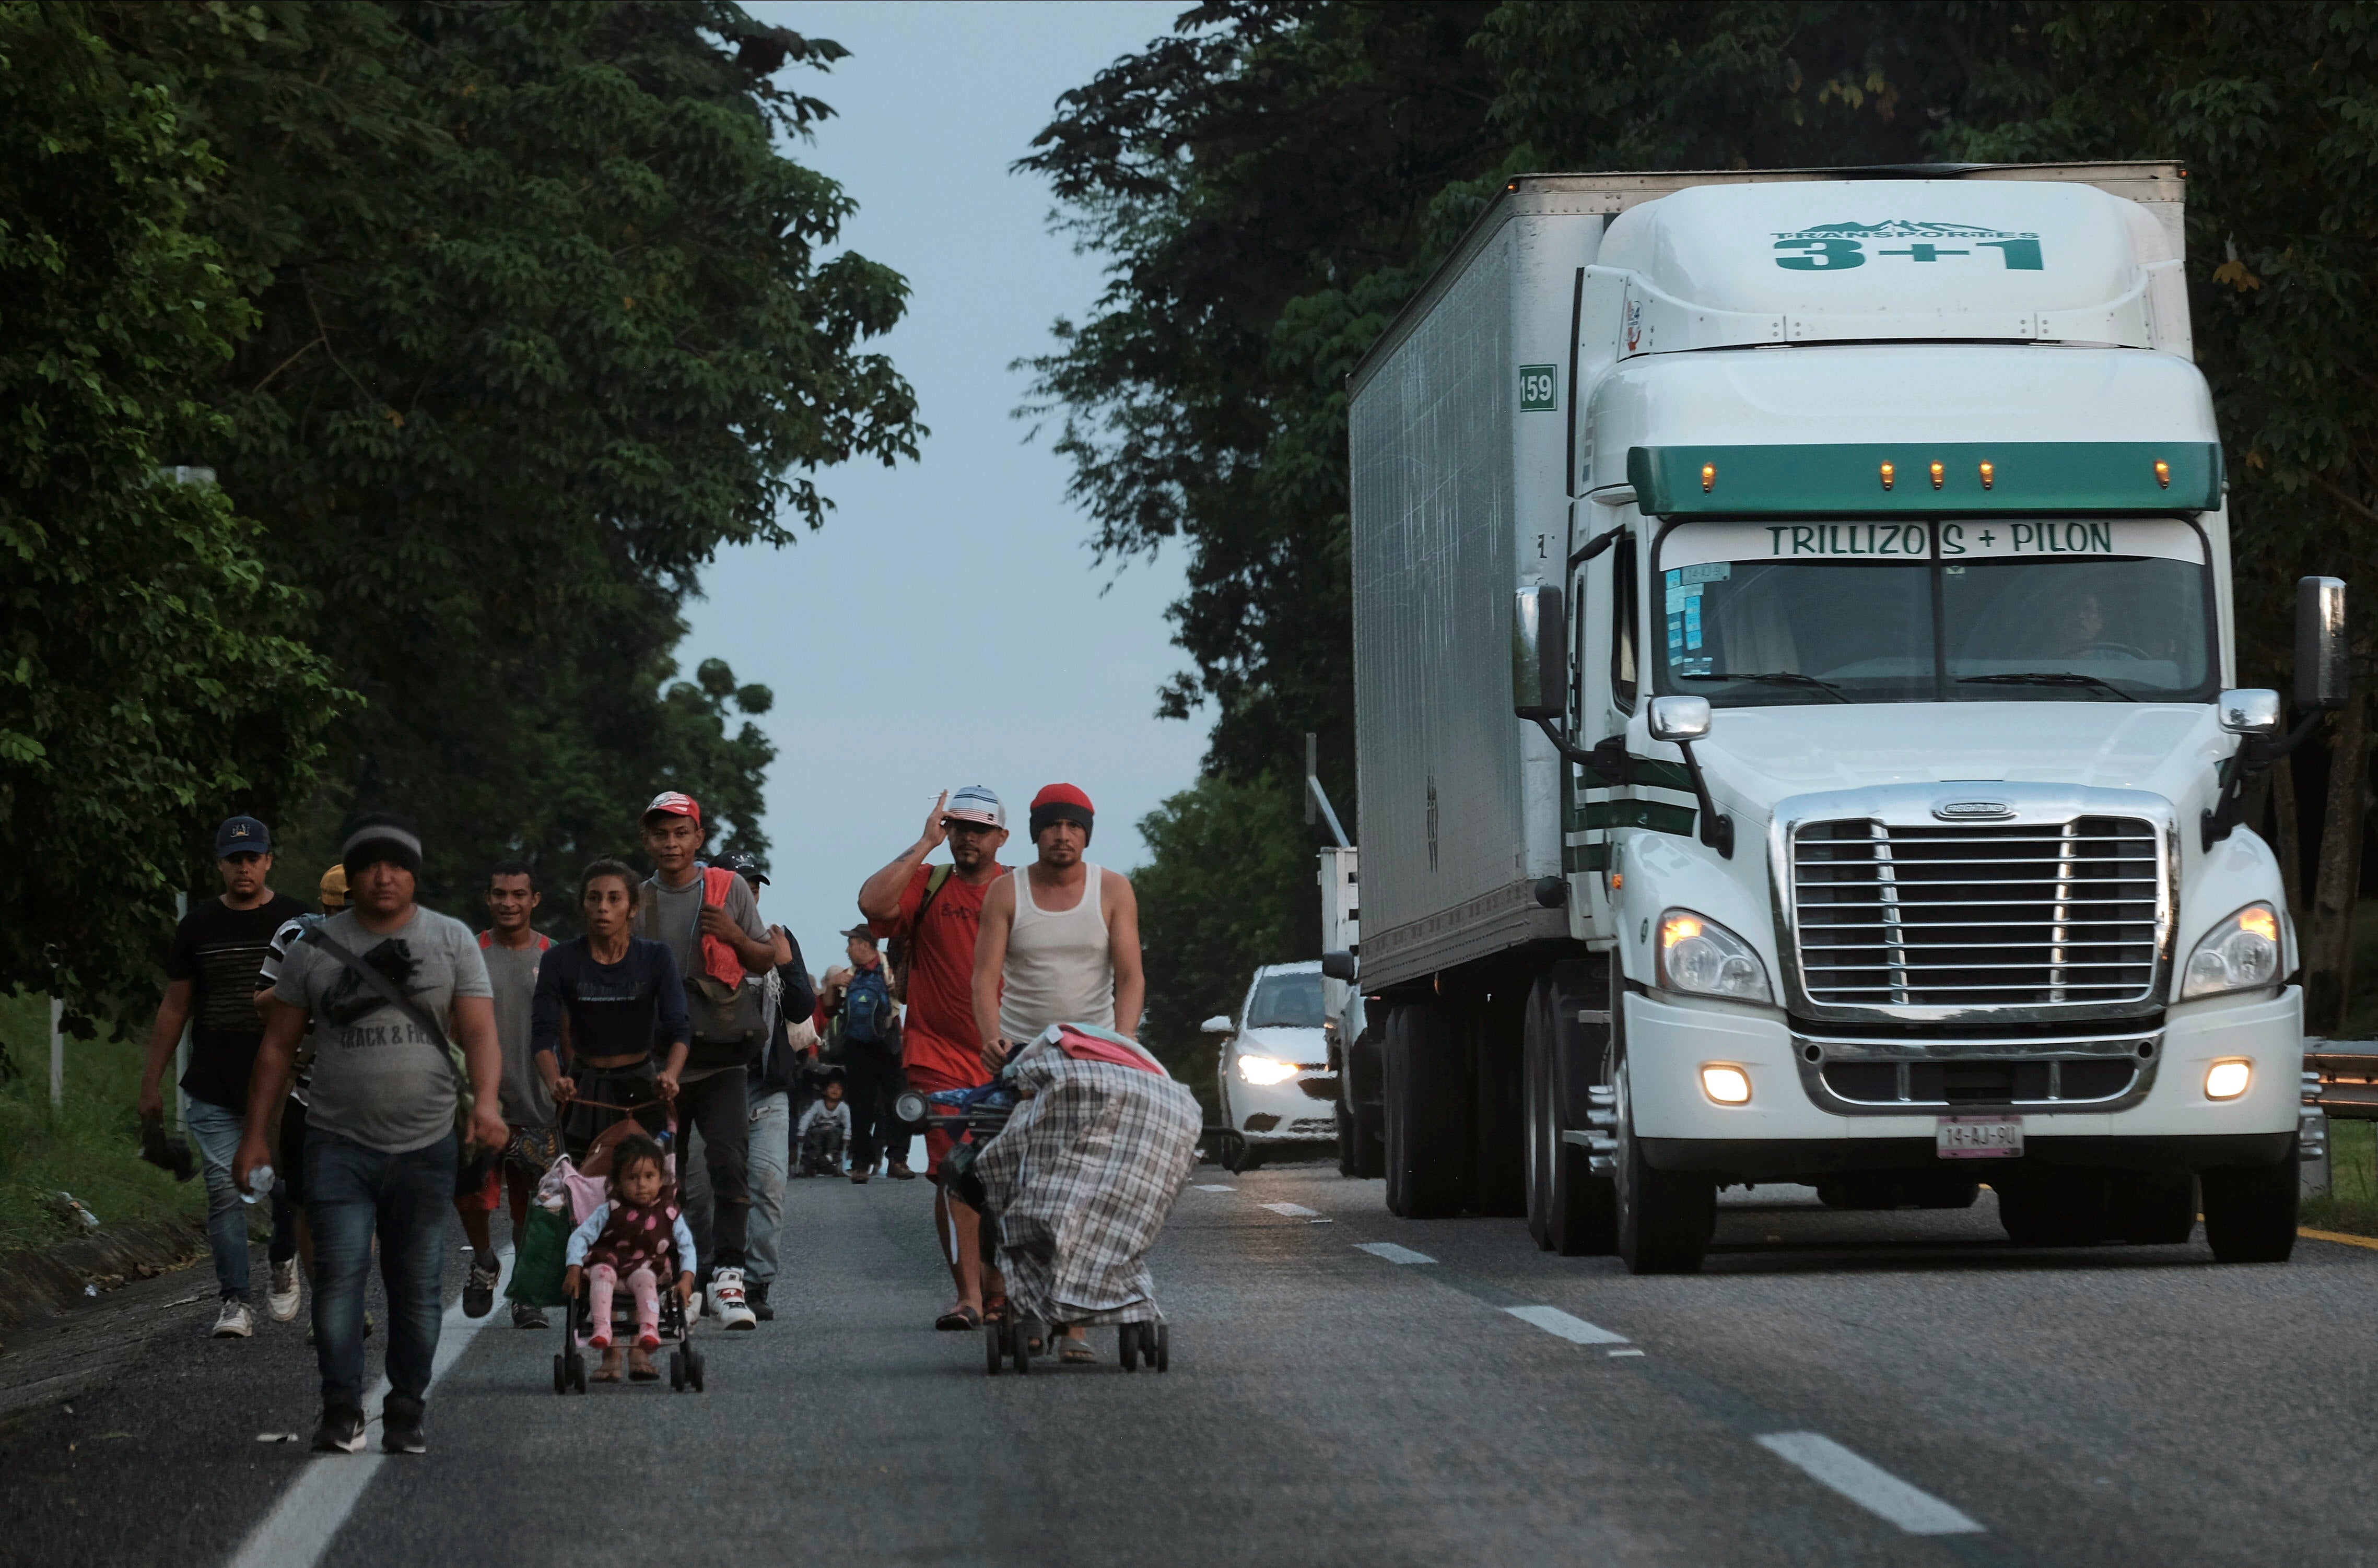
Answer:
(1977, 1137)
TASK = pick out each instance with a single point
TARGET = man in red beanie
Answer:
(1059, 944)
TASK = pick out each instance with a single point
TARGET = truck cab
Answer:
(1864, 812)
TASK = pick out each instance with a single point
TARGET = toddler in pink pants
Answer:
(637, 1238)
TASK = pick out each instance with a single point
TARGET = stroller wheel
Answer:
(561, 1375)
(1162, 1357)
(1019, 1344)
(995, 1351)
(578, 1373)
(693, 1368)
(677, 1371)
(1127, 1346)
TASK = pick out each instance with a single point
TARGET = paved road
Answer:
(1905, 1388)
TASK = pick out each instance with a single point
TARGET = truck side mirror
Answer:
(2324, 658)
(1539, 654)
(1217, 1024)
(2250, 711)
(1338, 965)
(1679, 719)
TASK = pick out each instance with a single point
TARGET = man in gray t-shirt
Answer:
(713, 1102)
(380, 1143)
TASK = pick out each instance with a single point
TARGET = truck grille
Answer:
(1976, 916)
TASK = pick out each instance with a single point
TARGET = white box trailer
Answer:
(1753, 574)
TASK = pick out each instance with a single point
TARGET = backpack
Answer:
(867, 1009)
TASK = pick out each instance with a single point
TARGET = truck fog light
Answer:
(1727, 1084)
(1697, 954)
(1264, 1070)
(2240, 954)
(2227, 1080)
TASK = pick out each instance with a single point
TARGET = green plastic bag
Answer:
(538, 1253)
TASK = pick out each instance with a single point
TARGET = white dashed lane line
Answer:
(1214, 1187)
(1293, 1211)
(1868, 1484)
(1392, 1252)
(1576, 1331)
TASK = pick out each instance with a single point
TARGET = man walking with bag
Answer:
(405, 1056)
(711, 922)
(871, 1056)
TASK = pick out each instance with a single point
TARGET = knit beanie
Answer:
(1061, 803)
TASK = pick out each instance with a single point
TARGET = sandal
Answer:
(994, 1310)
(1077, 1352)
(958, 1319)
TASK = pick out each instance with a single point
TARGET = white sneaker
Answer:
(726, 1298)
(283, 1295)
(235, 1323)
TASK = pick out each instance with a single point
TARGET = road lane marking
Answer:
(1615, 1354)
(1392, 1252)
(1868, 1484)
(310, 1514)
(1294, 1211)
(1211, 1187)
(1576, 1331)
(2339, 1235)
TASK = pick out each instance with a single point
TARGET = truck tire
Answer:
(1665, 1217)
(2155, 1209)
(2250, 1213)
(1428, 1114)
(1361, 1151)
(1570, 1210)
(1499, 1102)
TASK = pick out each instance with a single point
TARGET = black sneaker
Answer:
(526, 1316)
(400, 1426)
(479, 1290)
(342, 1431)
(756, 1298)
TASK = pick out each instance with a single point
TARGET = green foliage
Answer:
(150, 679)
(1232, 886)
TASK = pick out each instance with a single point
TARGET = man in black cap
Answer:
(211, 984)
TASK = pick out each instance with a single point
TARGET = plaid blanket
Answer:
(1082, 1179)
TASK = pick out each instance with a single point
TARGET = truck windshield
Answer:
(1286, 1001)
(1991, 610)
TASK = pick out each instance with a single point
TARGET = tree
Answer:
(151, 673)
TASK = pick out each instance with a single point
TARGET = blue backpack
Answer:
(867, 1009)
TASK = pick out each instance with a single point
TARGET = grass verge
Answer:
(2352, 1201)
(90, 1146)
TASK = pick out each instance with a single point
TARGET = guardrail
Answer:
(2340, 1083)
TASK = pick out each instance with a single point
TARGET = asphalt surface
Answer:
(1901, 1388)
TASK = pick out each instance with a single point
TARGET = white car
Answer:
(1278, 1092)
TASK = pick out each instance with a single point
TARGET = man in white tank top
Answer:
(1060, 939)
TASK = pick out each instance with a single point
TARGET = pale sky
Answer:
(948, 627)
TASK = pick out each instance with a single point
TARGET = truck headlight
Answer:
(2242, 954)
(1266, 1069)
(1697, 954)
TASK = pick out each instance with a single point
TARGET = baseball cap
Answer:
(334, 885)
(242, 835)
(674, 803)
(863, 930)
(746, 867)
(976, 803)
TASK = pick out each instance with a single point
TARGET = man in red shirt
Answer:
(934, 911)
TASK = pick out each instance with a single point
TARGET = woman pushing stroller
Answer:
(615, 1003)
(639, 1239)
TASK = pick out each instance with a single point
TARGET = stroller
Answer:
(583, 1195)
(1075, 1154)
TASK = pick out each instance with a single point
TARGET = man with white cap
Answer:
(934, 912)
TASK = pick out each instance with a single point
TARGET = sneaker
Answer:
(342, 1431)
(858, 1178)
(526, 1316)
(400, 1426)
(755, 1296)
(479, 1290)
(900, 1172)
(727, 1293)
(283, 1294)
(234, 1321)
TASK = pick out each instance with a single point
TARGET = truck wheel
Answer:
(2073, 1209)
(1570, 1210)
(2155, 1209)
(1498, 1092)
(1665, 1217)
(1427, 1114)
(2250, 1214)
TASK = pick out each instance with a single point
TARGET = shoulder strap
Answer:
(380, 984)
(934, 878)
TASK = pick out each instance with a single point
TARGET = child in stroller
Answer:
(824, 1132)
(637, 1238)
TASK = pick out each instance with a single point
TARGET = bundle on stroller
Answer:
(1075, 1153)
(580, 1196)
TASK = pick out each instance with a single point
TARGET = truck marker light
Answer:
(2163, 474)
(1888, 474)
(1990, 475)
(1939, 473)
(1709, 477)
(1726, 1083)
(2227, 1080)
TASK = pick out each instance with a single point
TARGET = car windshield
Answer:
(1988, 610)
(1286, 1001)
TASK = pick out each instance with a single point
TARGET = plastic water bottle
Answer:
(259, 1182)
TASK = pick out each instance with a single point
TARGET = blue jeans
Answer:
(218, 1133)
(769, 1162)
(352, 1193)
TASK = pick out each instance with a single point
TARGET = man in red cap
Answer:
(935, 913)
(1059, 944)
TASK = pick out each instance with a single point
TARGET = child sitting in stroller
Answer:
(638, 1237)
(824, 1129)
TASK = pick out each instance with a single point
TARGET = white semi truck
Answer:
(1794, 689)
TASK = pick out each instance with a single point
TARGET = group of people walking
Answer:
(374, 1065)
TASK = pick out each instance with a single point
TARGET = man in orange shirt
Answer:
(934, 913)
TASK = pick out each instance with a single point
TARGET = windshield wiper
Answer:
(1779, 677)
(2047, 677)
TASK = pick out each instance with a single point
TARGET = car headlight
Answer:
(1697, 955)
(1265, 1069)
(2242, 954)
